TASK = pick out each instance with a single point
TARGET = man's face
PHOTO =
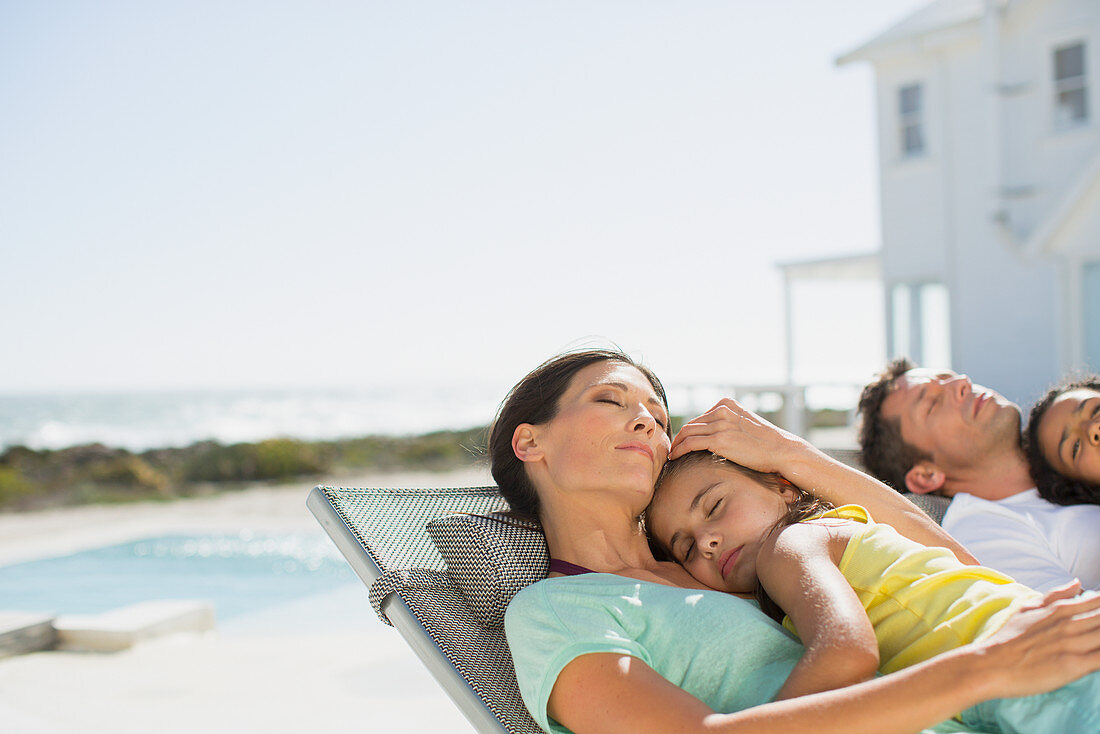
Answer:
(943, 414)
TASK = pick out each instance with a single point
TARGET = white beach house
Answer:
(989, 162)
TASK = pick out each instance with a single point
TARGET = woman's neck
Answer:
(606, 539)
(601, 538)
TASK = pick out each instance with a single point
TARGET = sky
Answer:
(360, 194)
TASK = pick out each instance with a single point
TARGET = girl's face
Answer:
(610, 432)
(715, 520)
(1069, 434)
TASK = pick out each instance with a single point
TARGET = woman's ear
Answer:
(925, 478)
(525, 443)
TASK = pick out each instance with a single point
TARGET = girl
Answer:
(860, 596)
(1063, 442)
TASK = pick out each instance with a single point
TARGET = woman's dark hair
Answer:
(535, 400)
(1054, 487)
(803, 506)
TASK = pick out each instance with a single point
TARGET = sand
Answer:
(355, 675)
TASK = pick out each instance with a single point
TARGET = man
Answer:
(929, 431)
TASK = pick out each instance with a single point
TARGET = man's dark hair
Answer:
(1054, 487)
(885, 454)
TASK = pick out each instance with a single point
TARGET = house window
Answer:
(935, 324)
(1071, 100)
(910, 122)
(900, 321)
(920, 323)
(1090, 277)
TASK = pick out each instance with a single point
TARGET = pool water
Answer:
(242, 574)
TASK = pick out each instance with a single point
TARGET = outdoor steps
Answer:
(23, 632)
(120, 628)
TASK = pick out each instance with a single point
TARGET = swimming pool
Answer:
(245, 575)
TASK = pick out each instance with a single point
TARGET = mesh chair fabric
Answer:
(478, 653)
(390, 525)
(390, 522)
(490, 558)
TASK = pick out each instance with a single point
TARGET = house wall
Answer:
(942, 218)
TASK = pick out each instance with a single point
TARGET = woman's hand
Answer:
(740, 435)
(735, 433)
(1047, 645)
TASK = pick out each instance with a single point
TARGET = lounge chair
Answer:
(441, 566)
(933, 505)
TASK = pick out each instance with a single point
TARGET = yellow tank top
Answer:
(921, 601)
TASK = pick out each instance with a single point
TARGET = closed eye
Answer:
(714, 508)
(688, 552)
(609, 400)
(1075, 450)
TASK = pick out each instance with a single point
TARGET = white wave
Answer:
(143, 421)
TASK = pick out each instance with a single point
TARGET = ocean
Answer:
(144, 420)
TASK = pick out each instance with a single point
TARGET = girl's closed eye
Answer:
(714, 507)
(688, 552)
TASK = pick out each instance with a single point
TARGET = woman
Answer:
(637, 646)
(1063, 442)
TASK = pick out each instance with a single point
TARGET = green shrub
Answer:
(276, 458)
(13, 485)
(128, 472)
(283, 457)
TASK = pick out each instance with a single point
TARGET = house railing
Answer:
(789, 400)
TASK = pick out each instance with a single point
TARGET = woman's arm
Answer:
(1039, 650)
(740, 435)
(797, 570)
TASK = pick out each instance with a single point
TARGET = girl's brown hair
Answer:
(804, 506)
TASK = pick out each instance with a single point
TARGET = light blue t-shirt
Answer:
(716, 646)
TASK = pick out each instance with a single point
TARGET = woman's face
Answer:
(1069, 434)
(610, 431)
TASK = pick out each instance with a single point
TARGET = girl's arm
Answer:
(740, 435)
(1038, 650)
(797, 570)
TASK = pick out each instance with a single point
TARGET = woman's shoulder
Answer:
(588, 585)
(600, 593)
(570, 602)
(561, 589)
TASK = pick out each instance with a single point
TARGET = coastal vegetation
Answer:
(35, 479)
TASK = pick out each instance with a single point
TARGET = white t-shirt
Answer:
(1038, 543)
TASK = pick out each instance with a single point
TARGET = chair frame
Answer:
(401, 617)
(374, 558)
